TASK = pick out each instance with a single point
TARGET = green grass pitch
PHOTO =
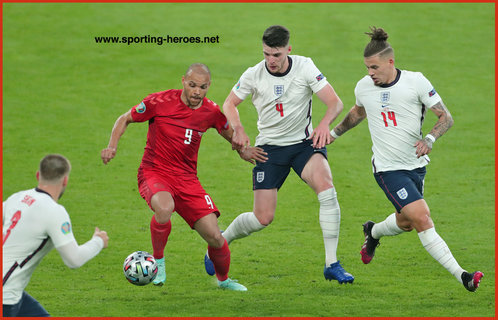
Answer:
(62, 93)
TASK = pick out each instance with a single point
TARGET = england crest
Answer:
(402, 194)
(260, 176)
(385, 96)
(278, 89)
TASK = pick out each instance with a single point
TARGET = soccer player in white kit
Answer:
(33, 224)
(395, 102)
(282, 86)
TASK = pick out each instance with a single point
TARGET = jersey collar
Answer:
(398, 75)
(42, 191)
(284, 73)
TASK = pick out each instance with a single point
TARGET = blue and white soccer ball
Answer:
(140, 268)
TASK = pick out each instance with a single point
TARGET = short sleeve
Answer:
(315, 79)
(146, 109)
(426, 92)
(59, 227)
(244, 87)
(221, 122)
(218, 119)
(356, 94)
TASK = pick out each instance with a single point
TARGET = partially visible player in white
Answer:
(33, 224)
(395, 103)
(282, 87)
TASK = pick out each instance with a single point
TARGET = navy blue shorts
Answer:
(272, 173)
(26, 307)
(402, 186)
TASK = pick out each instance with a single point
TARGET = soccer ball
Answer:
(140, 268)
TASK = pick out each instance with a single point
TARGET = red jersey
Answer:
(175, 131)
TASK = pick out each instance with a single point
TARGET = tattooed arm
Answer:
(351, 120)
(443, 124)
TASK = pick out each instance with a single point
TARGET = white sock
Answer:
(330, 220)
(388, 227)
(438, 249)
(242, 226)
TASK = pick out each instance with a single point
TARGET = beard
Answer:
(62, 192)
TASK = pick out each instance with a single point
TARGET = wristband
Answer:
(333, 134)
(430, 137)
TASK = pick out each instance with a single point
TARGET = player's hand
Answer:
(321, 136)
(240, 140)
(103, 235)
(423, 146)
(107, 154)
(253, 154)
(331, 138)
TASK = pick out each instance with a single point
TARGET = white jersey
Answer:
(283, 101)
(33, 224)
(395, 114)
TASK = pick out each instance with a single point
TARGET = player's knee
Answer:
(216, 240)
(422, 222)
(163, 214)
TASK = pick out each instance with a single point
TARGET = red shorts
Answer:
(191, 200)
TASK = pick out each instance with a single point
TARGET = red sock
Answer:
(221, 260)
(159, 234)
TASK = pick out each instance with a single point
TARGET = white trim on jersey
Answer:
(283, 102)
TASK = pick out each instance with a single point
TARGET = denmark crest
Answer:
(278, 89)
(402, 194)
(260, 176)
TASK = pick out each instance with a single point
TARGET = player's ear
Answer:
(289, 50)
(65, 181)
(38, 175)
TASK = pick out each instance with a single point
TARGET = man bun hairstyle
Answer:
(54, 167)
(378, 43)
(276, 36)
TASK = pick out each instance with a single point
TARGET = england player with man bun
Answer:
(395, 103)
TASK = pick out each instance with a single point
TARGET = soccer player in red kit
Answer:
(167, 176)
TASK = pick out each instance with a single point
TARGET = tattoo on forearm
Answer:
(444, 122)
(351, 120)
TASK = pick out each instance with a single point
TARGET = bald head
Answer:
(196, 82)
(198, 68)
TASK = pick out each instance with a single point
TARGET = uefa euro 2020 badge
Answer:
(140, 108)
(66, 228)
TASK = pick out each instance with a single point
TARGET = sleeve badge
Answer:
(140, 108)
(66, 228)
